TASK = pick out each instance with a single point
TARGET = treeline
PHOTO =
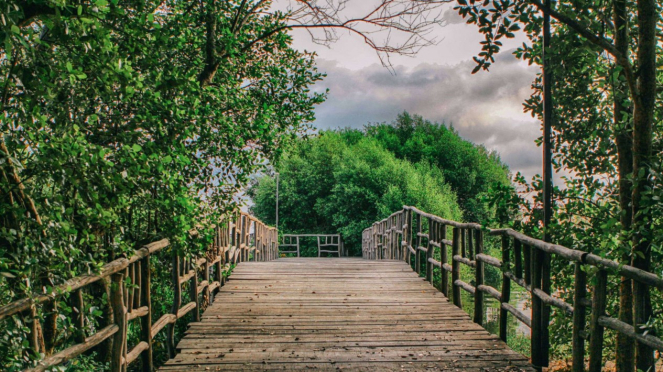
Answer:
(343, 181)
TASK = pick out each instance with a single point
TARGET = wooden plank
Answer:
(331, 313)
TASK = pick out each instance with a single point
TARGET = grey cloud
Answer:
(451, 16)
(485, 107)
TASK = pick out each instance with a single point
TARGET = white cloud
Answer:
(485, 107)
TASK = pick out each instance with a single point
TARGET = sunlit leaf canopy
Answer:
(111, 133)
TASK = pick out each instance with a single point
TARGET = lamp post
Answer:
(277, 200)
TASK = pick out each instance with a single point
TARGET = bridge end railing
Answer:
(326, 243)
(421, 238)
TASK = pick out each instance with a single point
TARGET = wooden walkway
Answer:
(337, 314)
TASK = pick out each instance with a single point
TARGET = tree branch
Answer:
(601, 42)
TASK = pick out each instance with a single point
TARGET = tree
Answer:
(128, 121)
(111, 139)
(343, 182)
(627, 76)
(471, 170)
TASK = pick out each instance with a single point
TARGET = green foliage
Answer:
(343, 182)
(602, 131)
(471, 170)
(127, 122)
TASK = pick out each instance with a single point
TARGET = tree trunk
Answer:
(645, 99)
(625, 355)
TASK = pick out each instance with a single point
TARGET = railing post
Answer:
(455, 268)
(177, 302)
(146, 320)
(580, 292)
(463, 243)
(417, 256)
(537, 308)
(79, 315)
(221, 251)
(407, 256)
(297, 246)
(506, 288)
(243, 252)
(444, 260)
(193, 289)
(120, 319)
(527, 261)
(478, 294)
(399, 240)
(430, 249)
(598, 310)
(390, 238)
(517, 253)
(207, 300)
(471, 254)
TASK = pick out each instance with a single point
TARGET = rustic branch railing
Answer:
(405, 236)
(130, 291)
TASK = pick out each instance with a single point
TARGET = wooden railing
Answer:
(238, 240)
(327, 243)
(418, 238)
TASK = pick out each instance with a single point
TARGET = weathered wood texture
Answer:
(336, 313)
(239, 239)
(520, 253)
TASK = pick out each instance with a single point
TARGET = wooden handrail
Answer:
(131, 285)
(395, 236)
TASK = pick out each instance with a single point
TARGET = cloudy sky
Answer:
(485, 107)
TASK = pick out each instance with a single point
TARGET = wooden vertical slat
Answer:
(478, 295)
(527, 261)
(417, 256)
(537, 308)
(146, 321)
(207, 298)
(242, 238)
(444, 259)
(119, 316)
(470, 245)
(138, 274)
(599, 295)
(410, 238)
(222, 248)
(517, 252)
(388, 232)
(463, 242)
(399, 236)
(177, 302)
(506, 288)
(455, 268)
(129, 289)
(79, 315)
(34, 326)
(193, 290)
(298, 253)
(580, 292)
(430, 250)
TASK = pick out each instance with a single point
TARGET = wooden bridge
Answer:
(333, 314)
(388, 310)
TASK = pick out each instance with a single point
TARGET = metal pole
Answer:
(547, 182)
(277, 200)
